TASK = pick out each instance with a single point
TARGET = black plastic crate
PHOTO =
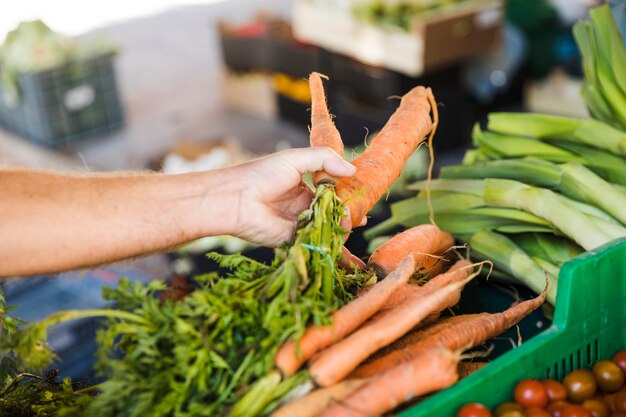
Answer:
(245, 51)
(293, 57)
(357, 117)
(67, 104)
(365, 80)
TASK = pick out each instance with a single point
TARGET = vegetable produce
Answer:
(382, 162)
(604, 60)
(323, 130)
(531, 393)
(580, 385)
(425, 239)
(608, 375)
(474, 410)
(596, 393)
(396, 14)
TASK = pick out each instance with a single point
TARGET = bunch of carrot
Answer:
(389, 344)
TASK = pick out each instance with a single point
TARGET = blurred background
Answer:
(176, 86)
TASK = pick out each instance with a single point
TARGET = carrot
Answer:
(382, 162)
(436, 369)
(425, 239)
(336, 362)
(312, 404)
(396, 352)
(292, 355)
(409, 291)
(466, 332)
(323, 130)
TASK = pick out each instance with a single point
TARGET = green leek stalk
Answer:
(588, 231)
(588, 132)
(572, 179)
(610, 167)
(554, 249)
(507, 146)
(459, 214)
(587, 225)
(510, 258)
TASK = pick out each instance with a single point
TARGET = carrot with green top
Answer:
(292, 355)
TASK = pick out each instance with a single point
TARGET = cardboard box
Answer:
(440, 37)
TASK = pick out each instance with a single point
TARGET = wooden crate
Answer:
(440, 37)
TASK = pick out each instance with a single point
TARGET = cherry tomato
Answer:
(619, 414)
(573, 410)
(556, 408)
(620, 359)
(596, 407)
(580, 385)
(556, 390)
(536, 412)
(505, 407)
(609, 401)
(474, 410)
(531, 393)
(609, 376)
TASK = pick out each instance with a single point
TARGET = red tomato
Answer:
(531, 393)
(474, 410)
(556, 390)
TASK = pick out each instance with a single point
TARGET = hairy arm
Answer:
(51, 222)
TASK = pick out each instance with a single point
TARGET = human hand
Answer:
(270, 193)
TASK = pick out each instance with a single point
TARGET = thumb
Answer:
(318, 159)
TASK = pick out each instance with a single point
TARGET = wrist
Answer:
(215, 210)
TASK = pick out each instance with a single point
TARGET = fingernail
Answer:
(350, 167)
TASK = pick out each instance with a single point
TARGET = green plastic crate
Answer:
(587, 327)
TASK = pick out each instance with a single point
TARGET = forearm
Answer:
(51, 222)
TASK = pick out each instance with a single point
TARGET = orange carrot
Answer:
(382, 162)
(425, 330)
(436, 369)
(426, 239)
(467, 332)
(292, 355)
(323, 130)
(336, 362)
(410, 291)
(396, 352)
(312, 404)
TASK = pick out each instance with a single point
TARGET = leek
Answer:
(510, 258)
